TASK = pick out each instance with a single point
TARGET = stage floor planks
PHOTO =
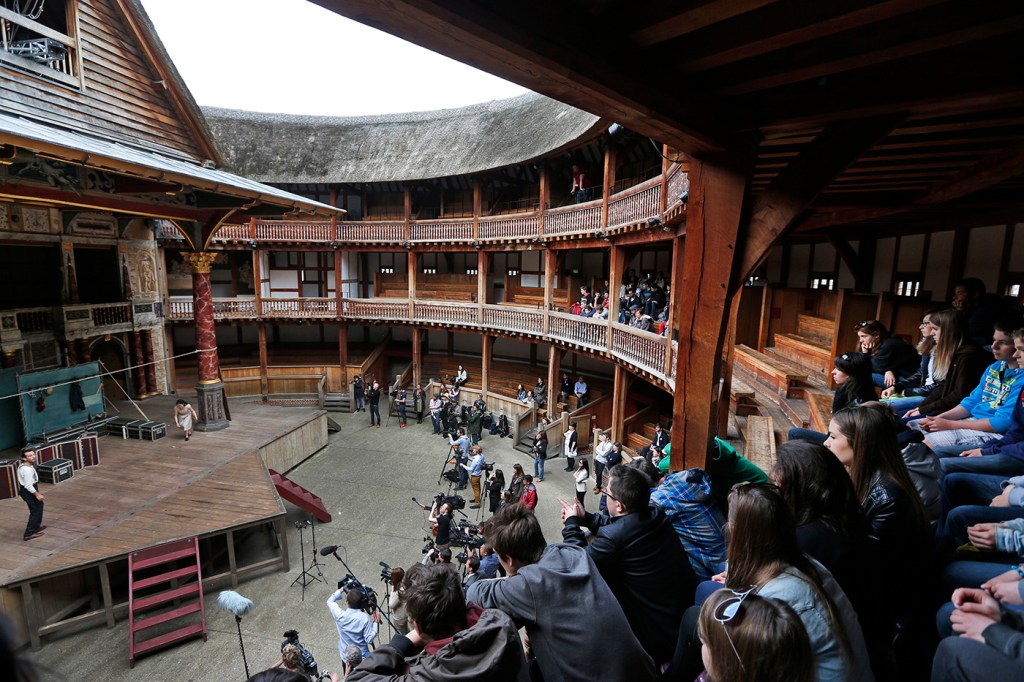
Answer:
(143, 493)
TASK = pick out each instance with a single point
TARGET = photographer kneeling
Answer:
(448, 639)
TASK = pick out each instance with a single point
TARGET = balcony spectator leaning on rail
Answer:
(581, 188)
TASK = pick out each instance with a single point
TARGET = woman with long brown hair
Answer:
(892, 358)
(764, 554)
(957, 364)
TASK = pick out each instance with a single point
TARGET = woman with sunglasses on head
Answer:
(956, 368)
(892, 358)
(852, 374)
(749, 638)
(764, 553)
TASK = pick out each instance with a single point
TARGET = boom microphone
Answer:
(329, 549)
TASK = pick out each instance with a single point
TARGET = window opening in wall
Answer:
(908, 287)
(1013, 290)
(387, 270)
(429, 271)
(512, 272)
(472, 271)
(826, 283)
(35, 37)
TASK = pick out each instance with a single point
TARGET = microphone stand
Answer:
(307, 577)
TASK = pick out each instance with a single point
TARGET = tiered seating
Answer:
(642, 437)
(764, 372)
(759, 436)
(429, 287)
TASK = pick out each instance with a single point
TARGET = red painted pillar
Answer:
(210, 388)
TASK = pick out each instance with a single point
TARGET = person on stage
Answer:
(29, 480)
(184, 416)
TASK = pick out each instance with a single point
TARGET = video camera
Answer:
(429, 546)
(488, 467)
(308, 662)
(468, 535)
(368, 597)
(385, 572)
(453, 501)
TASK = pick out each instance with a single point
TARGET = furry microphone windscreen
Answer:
(232, 602)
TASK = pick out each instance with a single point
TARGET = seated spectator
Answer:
(994, 541)
(920, 383)
(685, 496)
(979, 499)
(957, 364)
(530, 399)
(764, 556)
(581, 391)
(634, 548)
(448, 639)
(750, 638)
(980, 309)
(726, 467)
(899, 535)
(520, 392)
(547, 588)
(588, 311)
(565, 389)
(892, 358)
(852, 373)
(985, 414)
(461, 377)
(989, 642)
(602, 311)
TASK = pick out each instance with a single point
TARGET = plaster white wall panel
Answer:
(911, 247)
(884, 255)
(799, 265)
(984, 251)
(937, 264)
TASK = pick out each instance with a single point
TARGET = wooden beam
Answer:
(776, 210)
(619, 391)
(717, 197)
(692, 20)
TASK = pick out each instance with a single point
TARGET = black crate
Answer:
(151, 430)
(9, 478)
(88, 451)
(56, 470)
(120, 426)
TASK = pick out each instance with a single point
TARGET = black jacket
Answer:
(965, 371)
(898, 540)
(895, 355)
(640, 557)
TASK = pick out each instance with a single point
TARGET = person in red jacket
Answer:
(529, 497)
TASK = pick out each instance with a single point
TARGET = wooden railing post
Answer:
(483, 281)
(663, 204)
(550, 268)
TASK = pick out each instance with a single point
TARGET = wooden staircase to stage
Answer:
(177, 578)
(300, 497)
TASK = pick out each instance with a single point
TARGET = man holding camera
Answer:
(401, 400)
(441, 519)
(355, 626)
(461, 450)
(373, 397)
(449, 640)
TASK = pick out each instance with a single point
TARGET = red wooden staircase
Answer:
(300, 497)
(160, 578)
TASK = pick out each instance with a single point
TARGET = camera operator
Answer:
(462, 449)
(476, 470)
(373, 395)
(448, 640)
(435, 413)
(355, 626)
(441, 519)
(359, 394)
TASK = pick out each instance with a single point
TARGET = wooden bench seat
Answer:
(759, 436)
(758, 369)
(816, 358)
(820, 403)
(818, 329)
(742, 399)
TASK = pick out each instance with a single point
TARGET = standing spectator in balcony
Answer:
(581, 392)
(570, 444)
(565, 389)
(540, 392)
(435, 412)
(419, 402)
(374, 397)
(401, 399)
(359, 393)
(581, 186)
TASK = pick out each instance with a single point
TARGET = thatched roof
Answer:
(285, 148)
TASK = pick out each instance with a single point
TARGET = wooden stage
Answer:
(144, 493)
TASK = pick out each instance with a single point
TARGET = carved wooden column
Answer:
(554, 359)
(210, 389)
(619, 403)
(343, 354)
(261, 332)
(417, 356)
(149, 356)
(486, 348)
(138, 371)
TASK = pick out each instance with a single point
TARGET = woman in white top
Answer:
(569, 441)
(601, 450)
(184, 414)
(581, 475)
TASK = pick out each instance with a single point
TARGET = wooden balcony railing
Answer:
(107, 314)
(644, 350)
(573, 218)
(636, 204)
(509, 227)
(371, 231)
(450, 230)
(35, 320)
(291, 231)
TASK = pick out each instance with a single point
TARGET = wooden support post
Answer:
(282, 542)
(617, 267)
(487, 347)
(725, 386)
(257, 271)
(544, 198)
(232, 561)
(261, 331)
(483, 281)
(717, 192)
(407, 213)
(554, 359)
(665, 165)
(32, 620)
(766, 318)
(607, 182)
(108, 600)
(417, 356)
(411, 263)
(619, 391)
(339, 308)
(343, 354)
(550, 268)
(477, 208)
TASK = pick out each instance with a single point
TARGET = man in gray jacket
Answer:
(447, 640)
(556, 592)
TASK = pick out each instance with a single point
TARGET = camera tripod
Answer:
(307, 577)
(452, 456)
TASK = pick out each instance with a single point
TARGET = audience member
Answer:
(448, 639)
(892, 358)
(355, 626)
(852, 374)
(980, 309)
(547, 588)
(914, 388)
(686, 498)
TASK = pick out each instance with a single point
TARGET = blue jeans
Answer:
(360, 403)
(998, 465)
(374, 414)
(538, 468)
(436, 418)
(463, 474)
(965, 488)
(903, 405)
(807, 434)
(475, 437)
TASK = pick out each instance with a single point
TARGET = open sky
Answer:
(290, 56)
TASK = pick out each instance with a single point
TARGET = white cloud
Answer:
(292, 56)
